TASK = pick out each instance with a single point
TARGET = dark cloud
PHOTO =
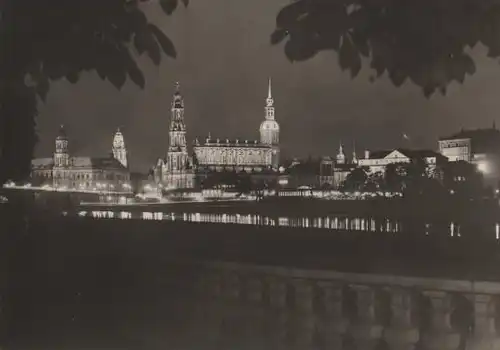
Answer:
(224, 59)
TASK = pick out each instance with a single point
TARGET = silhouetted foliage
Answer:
(463, 179)
(374, 182)
(48, 40)
(356, 180)
(421, 41)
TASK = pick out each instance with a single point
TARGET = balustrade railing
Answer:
(283, 308)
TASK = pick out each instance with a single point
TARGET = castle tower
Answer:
(177, 173)
(269, 128)
(61, 154)
(119, 149)
(341, 156)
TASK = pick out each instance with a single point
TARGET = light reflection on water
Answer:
(333, 222)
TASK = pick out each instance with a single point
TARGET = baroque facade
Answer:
(176, 170)
(250, 156)
(377, 161)
(83, 173)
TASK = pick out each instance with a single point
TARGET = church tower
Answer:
(269, 128)
(119, 150)
(354, 155)
(177, 173)
(341, 156)
(61, 160)
(61, 155)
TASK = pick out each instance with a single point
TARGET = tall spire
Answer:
(269, 103)
(62, 132)
(354, 155)
(269, 93)
(341, 155)
(177, 101)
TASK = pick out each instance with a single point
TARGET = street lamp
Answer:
(483, 167)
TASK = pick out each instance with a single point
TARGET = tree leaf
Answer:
(165, 43)
(42, 88)
(278, 35)
(168, 6)
(349, 57)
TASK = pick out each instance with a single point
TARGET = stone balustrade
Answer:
(284, 308)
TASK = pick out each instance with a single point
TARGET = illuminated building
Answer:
(479, 146)
(377, 161)
(334, 170)
(83, 173)
(176, 170)
(218, 154)
(258, 159)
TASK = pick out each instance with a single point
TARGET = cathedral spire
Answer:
(269, 93)
(354, 155)
(269, 102)
(177, 101)
(341, 155)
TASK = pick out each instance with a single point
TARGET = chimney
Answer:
(367, 154)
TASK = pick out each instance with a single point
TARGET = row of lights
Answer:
(99, 186)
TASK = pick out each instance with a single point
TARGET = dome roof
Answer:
(269, 125)
(62, 134)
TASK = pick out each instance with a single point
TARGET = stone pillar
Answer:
(231, 286)
(366, 331)
(254, 334)
(277, 320)
(232, 311)
(440, 335)
(213, 284)
(303, 328)
(210, 318)
(401, 334)
(484, 335)
(333, 324)
(254, 290)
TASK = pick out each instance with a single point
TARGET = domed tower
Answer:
(119, 149)
(61, 155)
(270, 129)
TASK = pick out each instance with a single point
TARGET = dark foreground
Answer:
(112, 284)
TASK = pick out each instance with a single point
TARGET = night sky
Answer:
(224, 59)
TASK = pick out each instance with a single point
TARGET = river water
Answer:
(331, 222)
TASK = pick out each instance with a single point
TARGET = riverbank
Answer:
(301, 207)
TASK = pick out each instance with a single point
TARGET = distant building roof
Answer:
(482, 140)
(412, 154)
(306, 167)
(42, 163)
(379, 154)
(345, 167)
(96, 163)
(229, 143)
(79, 162)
